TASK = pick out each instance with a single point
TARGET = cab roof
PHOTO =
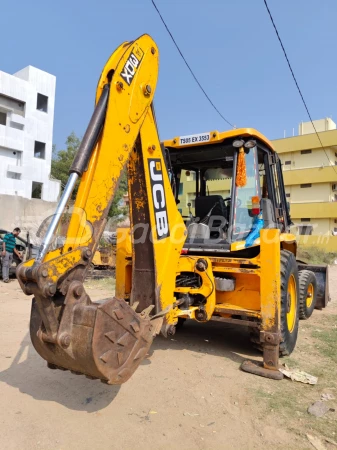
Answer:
(215, 137)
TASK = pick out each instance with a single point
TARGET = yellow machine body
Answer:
(161, 275)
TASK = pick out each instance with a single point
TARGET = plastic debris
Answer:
(319, 409)
(326, 397)
(190, 414)
(258, 223)
(298, 375)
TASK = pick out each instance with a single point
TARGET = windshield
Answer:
(242, 208)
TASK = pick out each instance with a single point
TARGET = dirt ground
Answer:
(188, 394)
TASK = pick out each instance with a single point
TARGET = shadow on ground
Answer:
(219, 339)
(29, 373)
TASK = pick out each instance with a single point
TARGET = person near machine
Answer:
(8, 248)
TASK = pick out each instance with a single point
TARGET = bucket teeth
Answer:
(134, 306)
(146, 312)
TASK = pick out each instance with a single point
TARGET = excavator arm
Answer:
(109, 339)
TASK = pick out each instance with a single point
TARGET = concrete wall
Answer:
(320, 125)
(28, 214)
(317, 158)
(320, 192)
(326, 242)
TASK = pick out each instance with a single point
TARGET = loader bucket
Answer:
(321, 272)
(105, 340)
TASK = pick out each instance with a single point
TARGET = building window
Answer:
(37, 190)
(40, 150)
(305, 152)
(42, 103)
(287, 163)
(3, 118)
(305, 220)
(14, 175)
(288, 195)
(305, 230)
(307, 185)
(181, 188)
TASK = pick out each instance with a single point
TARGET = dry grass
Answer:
(287, 401)
(315, 255)
(106, 284)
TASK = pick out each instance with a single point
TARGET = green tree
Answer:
(63, 159)
(60, 166)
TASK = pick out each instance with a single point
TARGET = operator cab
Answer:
(218, 209)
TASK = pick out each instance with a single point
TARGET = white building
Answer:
(26, 131)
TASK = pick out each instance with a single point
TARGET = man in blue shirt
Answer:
(8, 248)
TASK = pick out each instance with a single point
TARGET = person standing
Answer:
(8, 248)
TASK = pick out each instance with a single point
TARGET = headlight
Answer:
(238, 143)
(250, 144)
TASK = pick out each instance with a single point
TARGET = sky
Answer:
(230, 45)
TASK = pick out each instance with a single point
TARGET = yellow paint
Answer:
(270, 280)
(317, 210)
(310, 295)
(123, 263)
(292, 302)
(306, 141)
(126, 112)
(105, 257)
(207, 289)
(246, 294)
(217, 137)
(269, 236)
(167, 250)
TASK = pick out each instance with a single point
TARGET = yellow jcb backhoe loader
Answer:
(231, 259)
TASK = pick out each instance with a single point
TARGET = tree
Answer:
(63, 159)
(60, 166)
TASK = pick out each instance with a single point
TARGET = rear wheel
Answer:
(308, 293)
(290, 305)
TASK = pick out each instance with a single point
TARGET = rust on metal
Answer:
(143, 272)
(247, 323)
(258, 369)
(101, 340)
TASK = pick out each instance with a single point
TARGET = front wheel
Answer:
(290, 302)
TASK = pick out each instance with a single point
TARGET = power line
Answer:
(298, 88)
(189, 68)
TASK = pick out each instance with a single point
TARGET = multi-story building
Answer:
(310, 177)
(26, 131)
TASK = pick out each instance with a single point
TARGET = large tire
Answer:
(308, 293)
(289, 272)
(290, 302)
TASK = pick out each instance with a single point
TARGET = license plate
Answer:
(194, 139)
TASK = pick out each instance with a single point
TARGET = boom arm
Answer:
(108, 340)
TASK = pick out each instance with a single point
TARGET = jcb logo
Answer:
(159, 200)
(132, 64)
